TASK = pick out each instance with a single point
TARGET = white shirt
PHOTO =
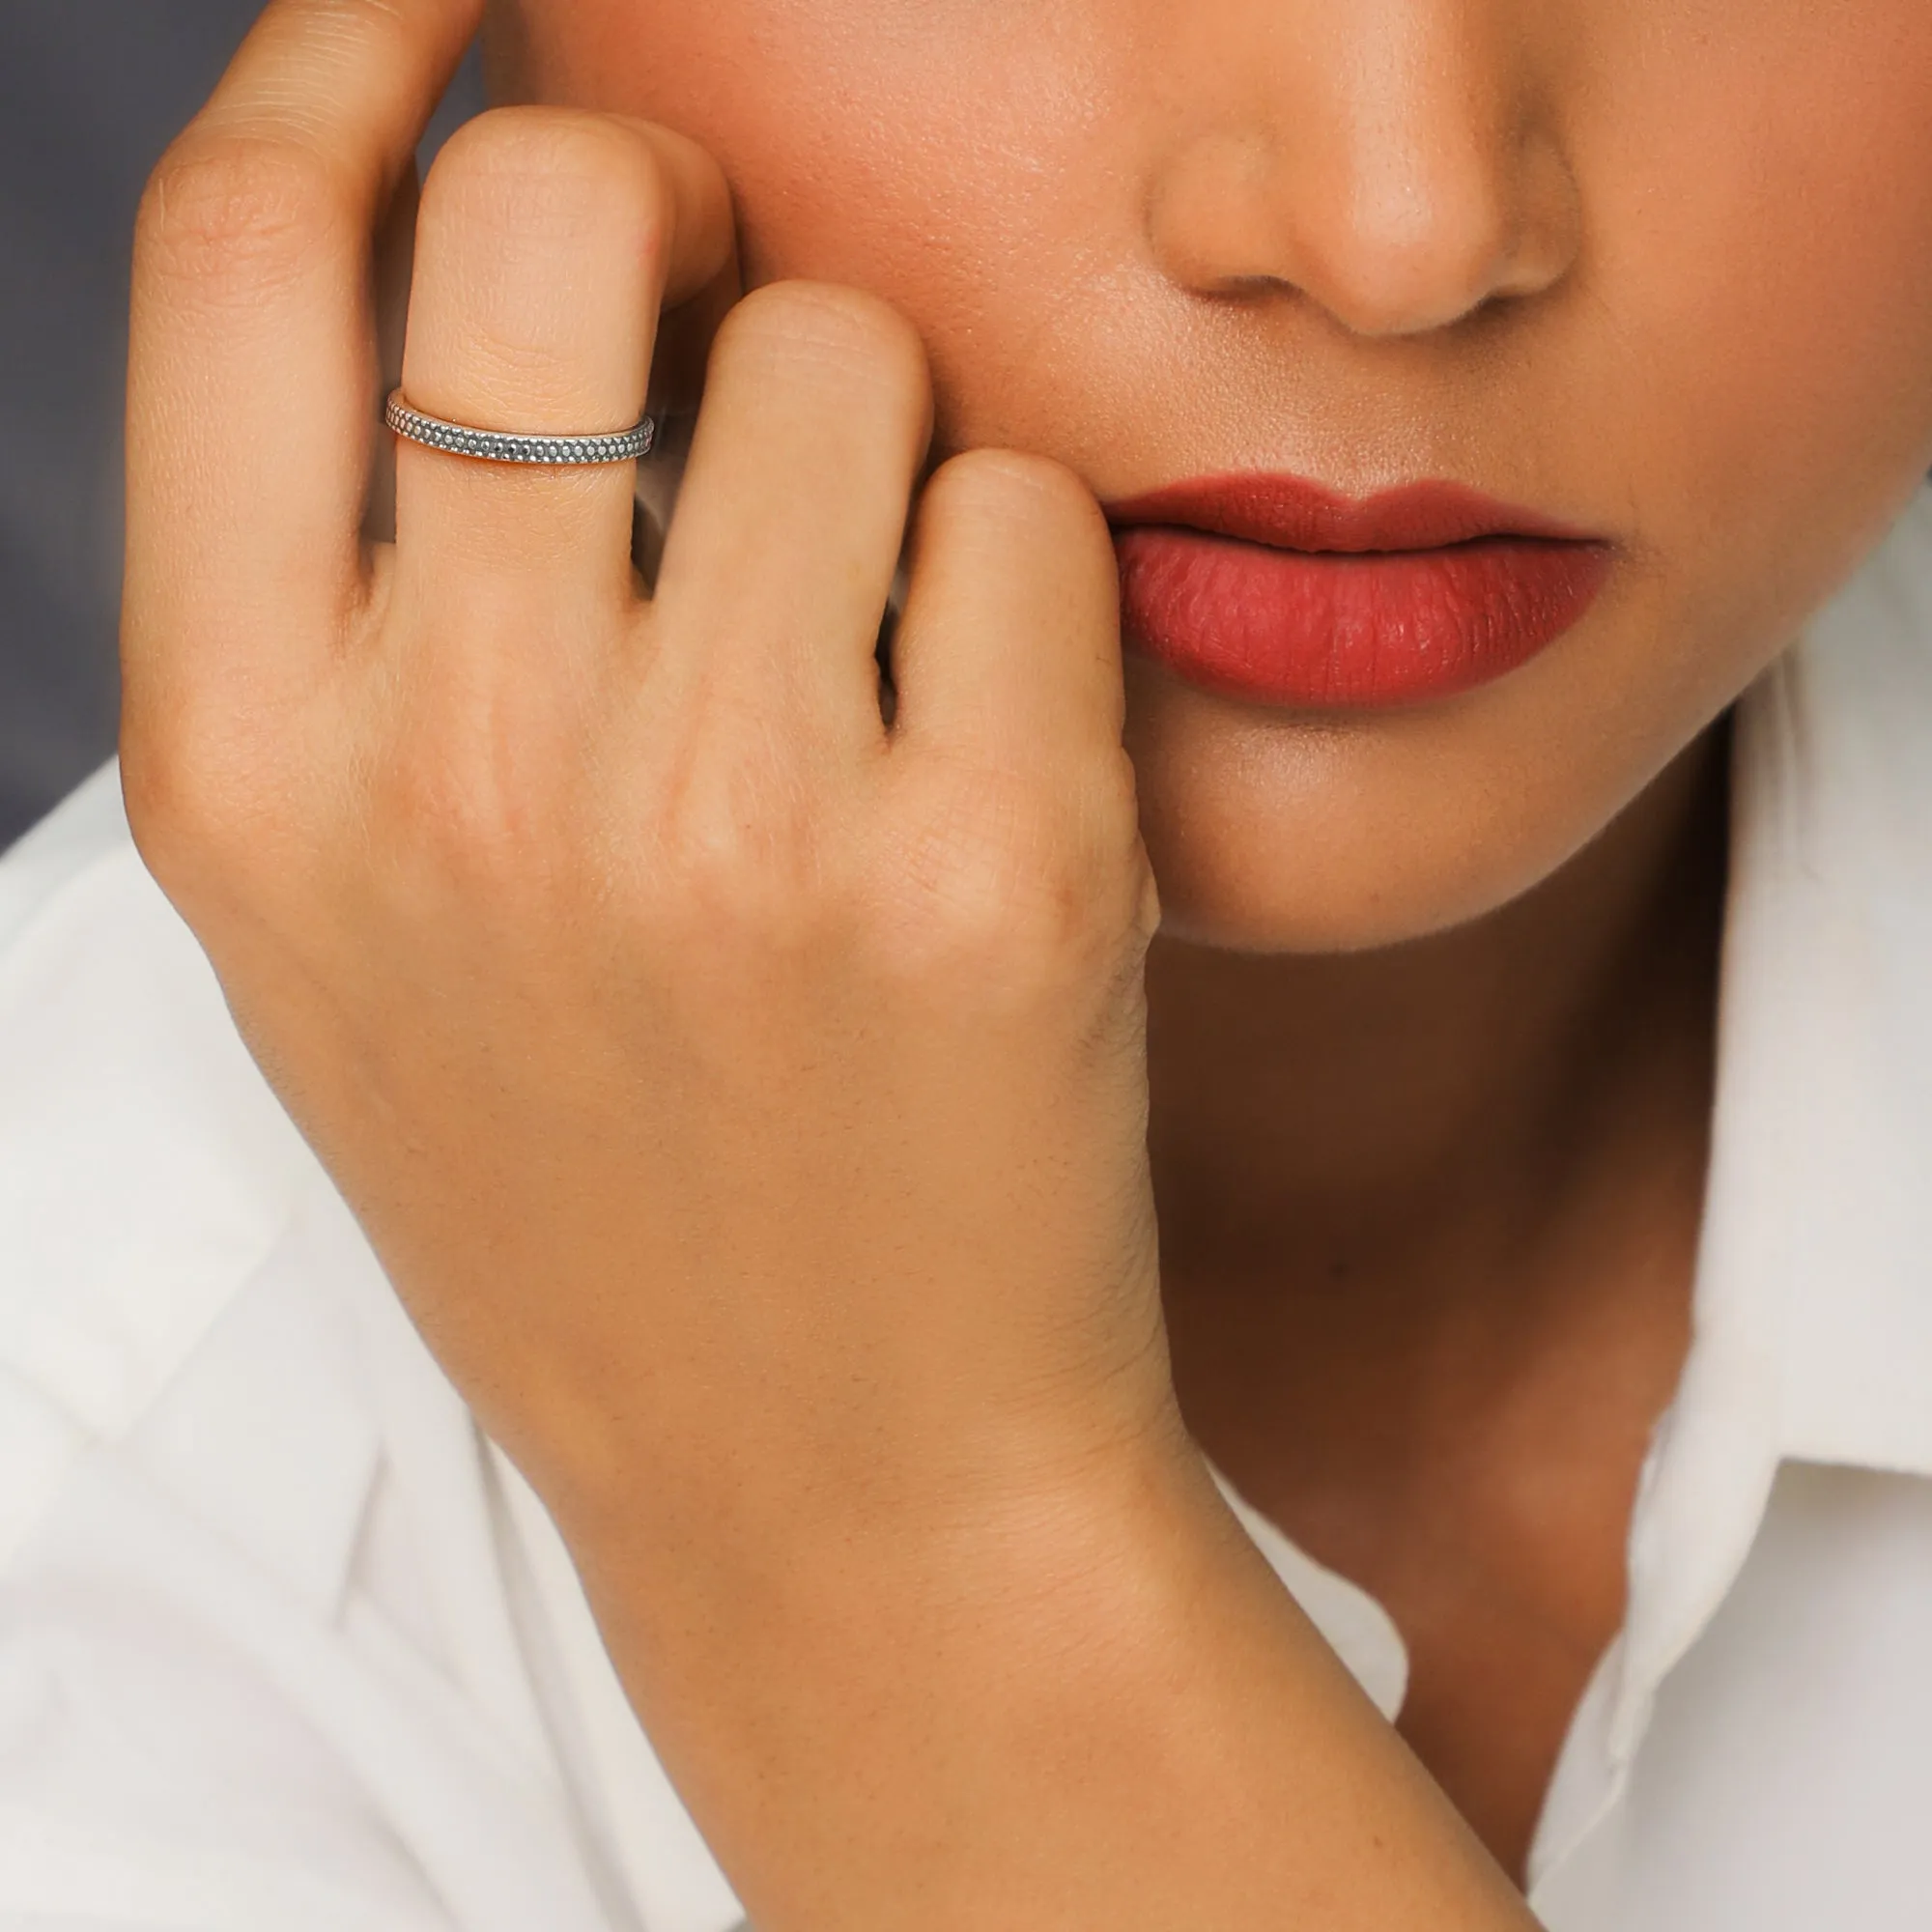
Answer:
(286, 1644)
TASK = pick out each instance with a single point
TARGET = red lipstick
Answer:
(1279, 591)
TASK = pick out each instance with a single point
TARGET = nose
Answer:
(1389, 160)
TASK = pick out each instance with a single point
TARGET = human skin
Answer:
(1589, 258)
(1575, 257)
(749, 1100)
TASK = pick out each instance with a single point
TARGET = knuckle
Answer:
(1010, 485)
(1023, 887)
(471, 813)
(560, 172)
(165, 806)
(225, 216)
(841, 332)
(191, 805)
(745, 867)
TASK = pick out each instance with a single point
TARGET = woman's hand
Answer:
(745, 1097)
(744, 1094)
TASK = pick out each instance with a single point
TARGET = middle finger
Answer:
(788, 529)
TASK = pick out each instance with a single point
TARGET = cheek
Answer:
(1766, 239)
(1737, 380)
(1740, 379)
(857, 156)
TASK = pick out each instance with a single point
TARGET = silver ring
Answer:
(503, 446)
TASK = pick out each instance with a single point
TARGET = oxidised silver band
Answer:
(503, 445)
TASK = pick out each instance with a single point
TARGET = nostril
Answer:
(1392, 233)
(1411, 256)
(1425, 240)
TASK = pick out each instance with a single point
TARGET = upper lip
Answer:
(1292, 513)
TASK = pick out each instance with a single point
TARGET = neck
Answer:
(1428, 1223)
(1311, 1115)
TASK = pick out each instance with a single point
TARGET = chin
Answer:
(1277, 832)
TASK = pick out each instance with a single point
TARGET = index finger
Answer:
(252, 364)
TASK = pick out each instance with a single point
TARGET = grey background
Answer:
(90, 91)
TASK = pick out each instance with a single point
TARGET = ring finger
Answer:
(545, 244)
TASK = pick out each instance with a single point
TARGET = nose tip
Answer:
(1407, 250)
(1400, 203)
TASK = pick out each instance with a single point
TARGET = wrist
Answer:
(1025, 1527)
(936, 1477)
(1093, 1704)
(757, 1604)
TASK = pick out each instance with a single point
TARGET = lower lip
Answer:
(1330, 631)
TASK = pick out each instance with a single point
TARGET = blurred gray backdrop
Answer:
(90, 91)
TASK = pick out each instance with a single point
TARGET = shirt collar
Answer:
(1814, 1313)
(1829, 1044)
(1812, 1333)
